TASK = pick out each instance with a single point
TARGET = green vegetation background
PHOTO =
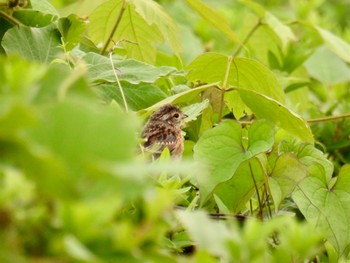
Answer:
(265, 175)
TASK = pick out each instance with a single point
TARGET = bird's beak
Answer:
(184, 116)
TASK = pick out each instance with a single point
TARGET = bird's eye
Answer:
(176, 115)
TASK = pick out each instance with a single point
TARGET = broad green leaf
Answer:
(138, 96)
(35, 44)
(222, 151)
(43, 6)
(244, 72)
(214, 18)
(130, 70)
(182, 97)
(154, 13)
(328, 68)
(209, 235)
(328, 208)
(268, 108)
(132, 27)
(33, 18)
(313, 159)
(82, 133)
(194, 110)
(336, 44)
(71, 29)
(282, 31)
(287, 173)
(236, 192)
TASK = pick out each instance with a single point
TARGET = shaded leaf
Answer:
(336, 44)
(35, 44)
(130, 70)
(236, 192)
(326, 67)
(287, 173)
(214, 18)
(137, 96)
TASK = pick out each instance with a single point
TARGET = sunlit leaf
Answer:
(268, 108)
(154, 13)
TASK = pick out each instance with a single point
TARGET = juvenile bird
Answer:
(163, 129)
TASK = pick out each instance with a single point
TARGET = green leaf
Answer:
(214, 18)
(283, 32)
(71, 29)
(182, 97)
(35, 44)
(336, 44)
(154, 13)
(326, 67)
(194, 110)
(137, 96)
(268, 108)
(287, 173)
(328, 208)
(222, 151)
(82, 133)
(132, 28)
(236, 192)
(33, 18)
(130, 70)
(43, 6)
(209, 235)
(243, 72)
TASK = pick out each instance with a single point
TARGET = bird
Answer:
(163, 129)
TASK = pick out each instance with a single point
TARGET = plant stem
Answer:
(257, 190)
(118, 82)
(329, 118)
(225, 86)
(119, 18)
(246, 39)
(10, 19)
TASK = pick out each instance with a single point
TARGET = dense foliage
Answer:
(265, 174)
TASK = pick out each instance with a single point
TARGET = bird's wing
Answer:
(158, 136)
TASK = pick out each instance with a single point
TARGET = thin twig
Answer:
(225, 86)
(248, 36)
(257, 190)
(119, 18)
(329, 118)
(10, 19)
(118, 82)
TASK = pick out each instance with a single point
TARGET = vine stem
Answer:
(118, 82)
(329, 118)
(225, 86)
(9, 18)
(257, 191)
(117, 22)
(248, 36)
